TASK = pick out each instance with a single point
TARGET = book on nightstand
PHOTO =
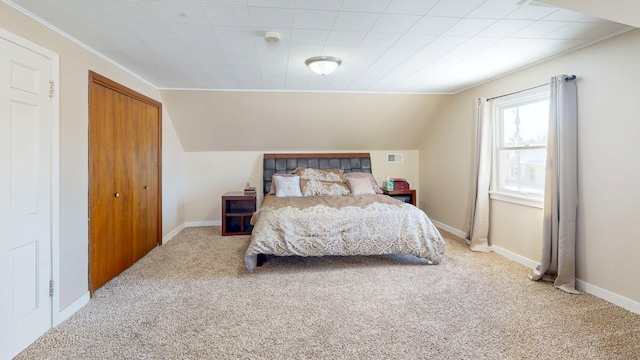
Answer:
(250, 190)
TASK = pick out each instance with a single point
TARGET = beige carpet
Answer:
(193, 299)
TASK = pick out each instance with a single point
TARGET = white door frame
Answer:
(55, 166)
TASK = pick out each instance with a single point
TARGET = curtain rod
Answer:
(568, 78)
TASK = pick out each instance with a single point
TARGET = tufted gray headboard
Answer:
(286, 163)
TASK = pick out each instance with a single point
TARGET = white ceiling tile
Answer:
(239, 35)
(478, 43)
(447, 42)
(309, 37)
(167, 47)
(273, 81)
(271, 18)
(314, 19)
(194, 31)
(469, 27)
(353, 21)
(410, 7)
(338, 51)
(319, 5)
(272, 52)
(283, 4)
(506, 45)
(131, 10)
(296, 82)
(279, 67)
(531, 12)
(304, 51)
(376, 6)
(345, 38)
(505, 28)
(494, 9)
(539, 29)
(362, 83)
(240, 52)
(395, 23)
(564, 15)
(181, 12)
(374, 39)
(152, 30)
(249, 65)
(414, 41)
(219, 14)
(457, 8)
(226, 2)
(432, 25)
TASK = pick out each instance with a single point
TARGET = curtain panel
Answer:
(478, 238)
(561, 187)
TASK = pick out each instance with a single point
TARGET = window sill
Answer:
(517, 199)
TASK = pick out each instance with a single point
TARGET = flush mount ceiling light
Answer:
(323, 65)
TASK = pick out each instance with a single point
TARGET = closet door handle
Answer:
(146, 187)
(117, 194)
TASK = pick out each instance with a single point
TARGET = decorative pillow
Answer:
(360, 186)
(272, 188)
(334, 175)
(287, 186)
(369, 176)
(324, 188)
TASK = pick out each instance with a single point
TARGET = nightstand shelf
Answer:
(407, 195)
(237, 209)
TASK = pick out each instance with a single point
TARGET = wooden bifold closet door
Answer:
(124, 178)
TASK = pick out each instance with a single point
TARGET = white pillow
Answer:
(360, 186)
(287, 186)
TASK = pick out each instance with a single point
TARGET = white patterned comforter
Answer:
(342, 225)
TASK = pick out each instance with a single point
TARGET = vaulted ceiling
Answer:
(227, 89)
(399, 46)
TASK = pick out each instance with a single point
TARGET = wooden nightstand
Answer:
(407, 195)
(237, 209)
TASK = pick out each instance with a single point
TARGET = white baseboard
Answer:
(604, 294)
(203, 223)
(515, 257)
(73, 308)
(172, 234)
(607, 295)
(450, 229)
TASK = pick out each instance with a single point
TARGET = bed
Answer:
(326, 219)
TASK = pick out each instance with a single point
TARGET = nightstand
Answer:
(406, 195)
(237, 209)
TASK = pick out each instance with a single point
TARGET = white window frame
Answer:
(496, 192)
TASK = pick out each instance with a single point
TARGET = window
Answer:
(520, 146)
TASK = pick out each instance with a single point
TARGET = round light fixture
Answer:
(323, 65)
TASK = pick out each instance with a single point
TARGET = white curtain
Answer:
(479, 220)
(561, 187)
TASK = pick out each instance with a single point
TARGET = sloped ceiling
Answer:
(298, 121)
(621, 11)
(208, 120)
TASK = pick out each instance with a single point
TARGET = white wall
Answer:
(609, 168)
(210, 174)
(75, 63)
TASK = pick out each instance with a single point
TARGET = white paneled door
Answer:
(25, 197)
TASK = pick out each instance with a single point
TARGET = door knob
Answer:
(117, 194)
(146, 187)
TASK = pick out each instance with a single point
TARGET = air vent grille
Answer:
(394, 158)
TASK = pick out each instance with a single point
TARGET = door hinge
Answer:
(52, 88)
(50, 287)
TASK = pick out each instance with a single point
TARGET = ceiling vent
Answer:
(271, 36)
